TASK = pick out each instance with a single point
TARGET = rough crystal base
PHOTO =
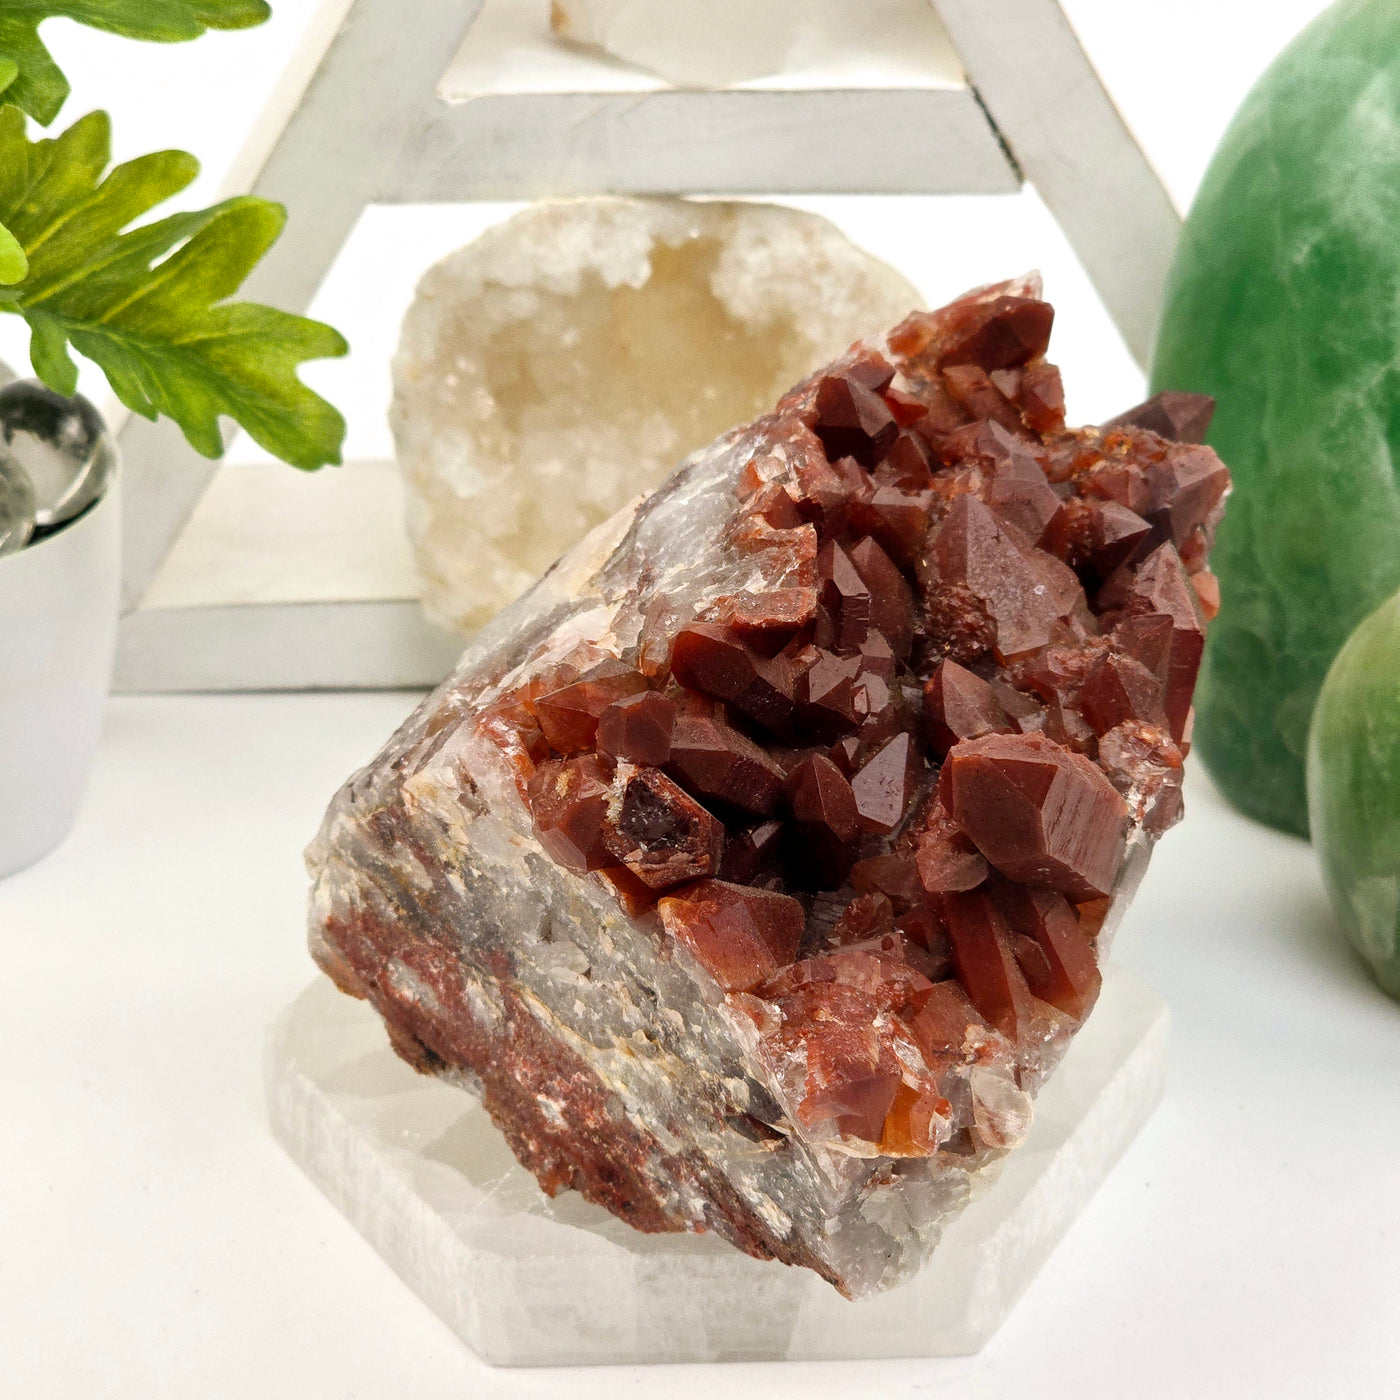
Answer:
(419, 1169)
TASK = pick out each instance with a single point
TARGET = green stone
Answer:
(1354, 790)
(1284, 303)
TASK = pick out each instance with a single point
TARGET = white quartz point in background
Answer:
(570, 357)
(716, 43)
(527, 1281)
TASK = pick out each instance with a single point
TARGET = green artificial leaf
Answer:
(13, 263)
(40, 89)
(148, 305)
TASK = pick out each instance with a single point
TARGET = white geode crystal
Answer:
(567, 359)
(716, 43)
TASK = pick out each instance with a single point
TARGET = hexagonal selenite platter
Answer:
(418, 1168)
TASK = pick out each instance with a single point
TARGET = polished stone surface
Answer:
(1282, 303)
(1354, 790)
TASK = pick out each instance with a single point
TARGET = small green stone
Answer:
(1354, 790)
(1284, 303)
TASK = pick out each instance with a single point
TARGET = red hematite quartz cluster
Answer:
(828, 773)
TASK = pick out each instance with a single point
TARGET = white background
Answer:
(154, 1241)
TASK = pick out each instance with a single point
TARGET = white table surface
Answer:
(155, 1242)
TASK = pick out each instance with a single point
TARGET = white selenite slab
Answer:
(418, 1168)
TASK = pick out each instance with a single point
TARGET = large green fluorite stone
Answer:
(1284, 303)
(1354, 790)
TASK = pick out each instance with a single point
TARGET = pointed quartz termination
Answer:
(774, 839)
(1043, 816)
(1173, 415)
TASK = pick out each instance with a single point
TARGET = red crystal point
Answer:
(870, 369)
(892, 875)
(1120, 479)
(883, 787)
(765, 619)
(638, 728)
(715, 761)
(770, 503)
(1020, 593)
(985, 963)
(994, 327)
(853, 420)
(1019, 492)
(915, 1124)
(1119, 688)
(867, 916)
(1146, 637)
(1059, 965)
(946, 861)
(1158, 588)
(825, 822)
(711, 659)
(819, 794)
(891, 598)
(849, 1079)
(824, 813)
(1145, 766)
(1039, 813)
(825, 492)
(826, 693)
(1007, 331)
(909, 464)
(1171, 414)
(738, 934)
(1101, 533)
(960, 705)
(907, 408)
(1186, 487)
(752, 854)
(972, 387)
(897, 517)
(569, 801)
(1024, 713)
(661, 833)
(1041, 398)
(943, 1022)
(569, 716)
(876, 659)
(845, 601)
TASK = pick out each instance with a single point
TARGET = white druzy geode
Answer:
(567, 359)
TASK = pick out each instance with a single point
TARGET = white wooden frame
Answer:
(358, 122)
